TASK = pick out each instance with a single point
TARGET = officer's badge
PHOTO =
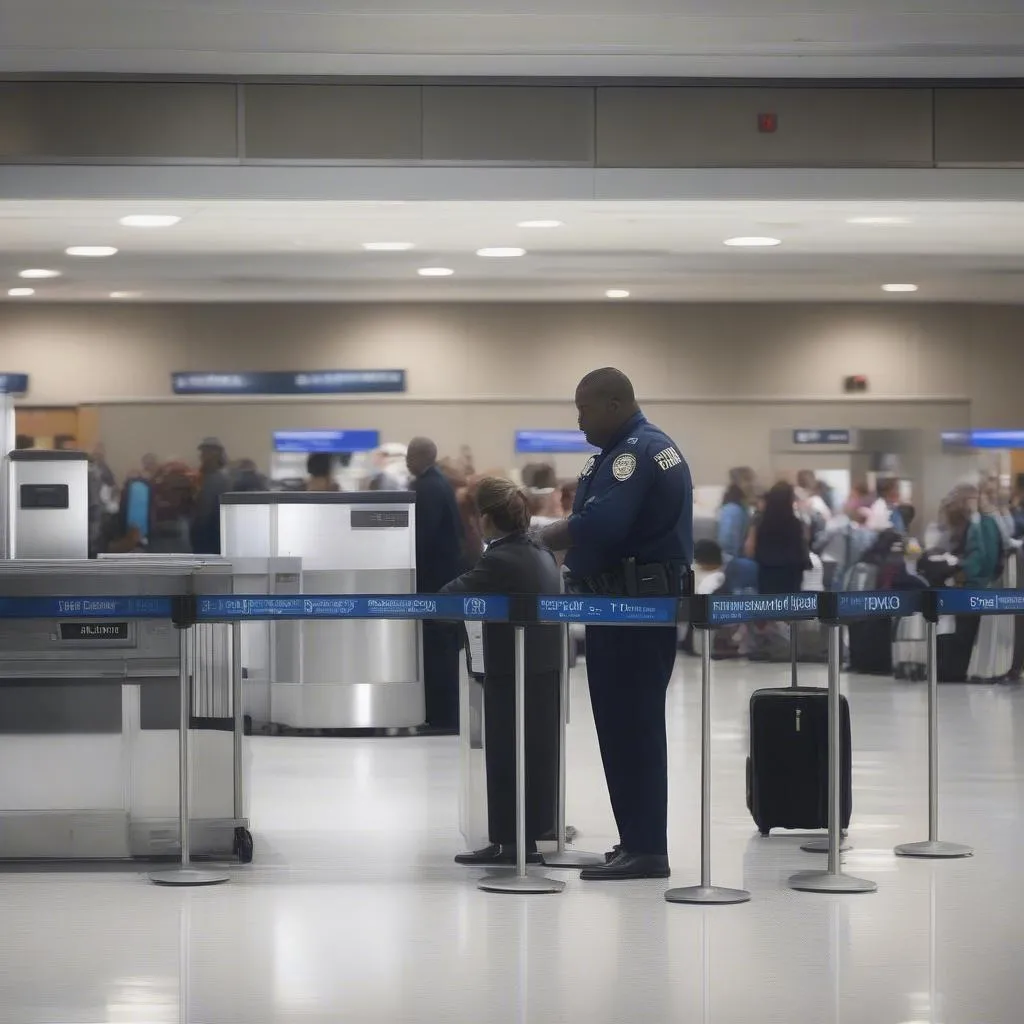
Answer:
(589, 467)
(624, 467)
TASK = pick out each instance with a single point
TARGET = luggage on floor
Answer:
(787, 770)
(910, 649)
(870, 642)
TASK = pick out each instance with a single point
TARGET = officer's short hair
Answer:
(609, 383)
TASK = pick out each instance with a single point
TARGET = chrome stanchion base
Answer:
(706, 894)
(188, 876)
(825, 881)
(933, 849)
(821, 846)
(572, 859)
(516, 883)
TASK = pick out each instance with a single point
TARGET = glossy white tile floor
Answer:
(354, 911)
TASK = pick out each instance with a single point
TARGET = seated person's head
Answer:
(707, 556)
(502, 508)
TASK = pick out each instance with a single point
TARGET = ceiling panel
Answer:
(791, 38)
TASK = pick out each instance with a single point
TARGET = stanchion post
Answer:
(185, 874)
(794, 639)
(520, 881)
(932, 847)
(705, 893)
(833, 879)
(562, 857)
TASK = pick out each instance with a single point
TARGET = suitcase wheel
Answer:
(243, 845)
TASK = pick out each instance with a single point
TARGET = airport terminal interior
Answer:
(289, 292)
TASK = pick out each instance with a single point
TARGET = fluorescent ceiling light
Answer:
(388, 246)
(20, 293)
(150, 220)
(878, 220)
(95, 251)
(753, 242)
(899, 287)
(125, 295)
(617, 293)
(500, 252)
(38, 274)
(540, 224)
(435, 271)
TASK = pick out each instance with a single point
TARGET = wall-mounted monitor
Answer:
(331, 442)
(552, 442)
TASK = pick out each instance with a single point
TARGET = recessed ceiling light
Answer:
(540, 224)
(616, 293)
(435, 271)
(150, 220)
(20, 293)
(753, 242)
(388, 246)
(878, 220)
(500, 252)
(125, 295)
(899, 287)
(95, 251)
(38, 274)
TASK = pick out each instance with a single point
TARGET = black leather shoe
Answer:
(613, 853)
(628, 866)
(495, 854)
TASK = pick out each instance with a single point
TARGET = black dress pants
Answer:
(629, 671)
(542, 711)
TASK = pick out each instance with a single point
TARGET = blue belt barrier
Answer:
(612, 611)
(953, 601)
(731, 609)
(475, 607)
(877, 604)
(85, 607)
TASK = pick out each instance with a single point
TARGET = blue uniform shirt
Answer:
(635, 500)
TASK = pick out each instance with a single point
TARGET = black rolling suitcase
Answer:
(787, 771)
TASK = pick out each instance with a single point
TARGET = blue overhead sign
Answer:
(618, 610)
(13, 383)
(552, 442)
(289, 382)
(821, 437)
(328, 441)
(984, 438)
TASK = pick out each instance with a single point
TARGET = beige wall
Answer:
(718, 376)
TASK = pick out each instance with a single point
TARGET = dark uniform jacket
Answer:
(635, 500)
(438, 532)
(515, 565)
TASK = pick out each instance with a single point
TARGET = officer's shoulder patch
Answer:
(623, 467)
(589, 467)
(668, 458)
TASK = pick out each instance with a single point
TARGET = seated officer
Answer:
(630, 533)
(513, 564)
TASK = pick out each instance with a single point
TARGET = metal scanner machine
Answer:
(352, 675)
(89, 711)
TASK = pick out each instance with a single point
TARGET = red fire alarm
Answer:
(767, 124)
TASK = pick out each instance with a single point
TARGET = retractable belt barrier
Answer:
(832, 609)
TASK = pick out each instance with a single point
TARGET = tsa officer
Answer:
(630, 533)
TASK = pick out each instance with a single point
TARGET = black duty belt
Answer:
(638, 579)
